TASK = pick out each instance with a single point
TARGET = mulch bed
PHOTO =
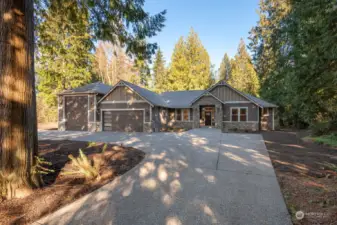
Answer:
(61, 189)
(307, 174)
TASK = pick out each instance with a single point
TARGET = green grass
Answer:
(330, 139)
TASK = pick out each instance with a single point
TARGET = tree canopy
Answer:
(190, 67)
(66, 32)
(159, 72)
(243, 76)
(225, 70)
(294, 50)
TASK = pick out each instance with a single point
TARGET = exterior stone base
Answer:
(148, 127)
(186, 125)
(240, 126)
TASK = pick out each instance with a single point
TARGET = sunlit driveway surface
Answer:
(201, 176)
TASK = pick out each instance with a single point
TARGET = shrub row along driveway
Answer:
(201, 176)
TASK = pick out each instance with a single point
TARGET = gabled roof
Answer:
(257, 101)
(152, 97)
(149, 96)
(171, 99)
(205, 93)
(96, 88)
(260, 102)
(180, 99)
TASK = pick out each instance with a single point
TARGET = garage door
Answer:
(125, 121)
(76, 109)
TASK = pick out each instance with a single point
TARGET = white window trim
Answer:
(133, 109)
(239, 113)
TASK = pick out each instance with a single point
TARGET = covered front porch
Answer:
(207, 116)
(207, 112)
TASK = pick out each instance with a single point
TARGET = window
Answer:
(186, 114)
(239, 114)
(178, 114)
(265, 112)
(235, 114)
(243, 114)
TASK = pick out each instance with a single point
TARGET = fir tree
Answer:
(159, 72)
(64, 60)
(198, 62)
(225, 69)
(190, 67)
(244, 77)
(179, 68)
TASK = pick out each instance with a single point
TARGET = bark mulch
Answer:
(307, 174)
(61, 189)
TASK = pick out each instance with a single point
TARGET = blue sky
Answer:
(219, 23)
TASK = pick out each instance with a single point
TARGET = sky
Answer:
(219, 23)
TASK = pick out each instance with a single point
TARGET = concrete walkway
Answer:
(201, 176)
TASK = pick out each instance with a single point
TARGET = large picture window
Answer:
(239, 114)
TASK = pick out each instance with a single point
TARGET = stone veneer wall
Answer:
(187, 125)
(147, 127)
(240, 126)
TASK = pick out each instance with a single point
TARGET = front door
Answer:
(208, 118)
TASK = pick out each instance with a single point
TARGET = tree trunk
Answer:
(18, 128)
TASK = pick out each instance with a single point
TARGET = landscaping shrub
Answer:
(320, 128)
(83, 165)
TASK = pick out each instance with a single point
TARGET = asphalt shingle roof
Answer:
(170, 99)
(180, 99)
(260, 102)
(97, 87)
(152, 97)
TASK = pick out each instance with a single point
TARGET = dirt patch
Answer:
(307, 174)
(61, 189)
(47, 126)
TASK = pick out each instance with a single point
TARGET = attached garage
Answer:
(76, 113)
(77, 108)
(123, 120)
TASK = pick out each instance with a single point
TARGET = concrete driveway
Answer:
(201, 176)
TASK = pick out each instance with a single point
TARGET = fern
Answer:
(83, 165)
(104, 147)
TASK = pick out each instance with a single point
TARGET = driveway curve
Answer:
(201, 176)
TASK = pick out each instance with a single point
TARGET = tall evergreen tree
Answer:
(64, 60)
(159, 72)
(198, 62)
(179, 69)
(190, 67)
(18, 132)
(225, 70)
(244, 77)
(143, 72)
(300, 44)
